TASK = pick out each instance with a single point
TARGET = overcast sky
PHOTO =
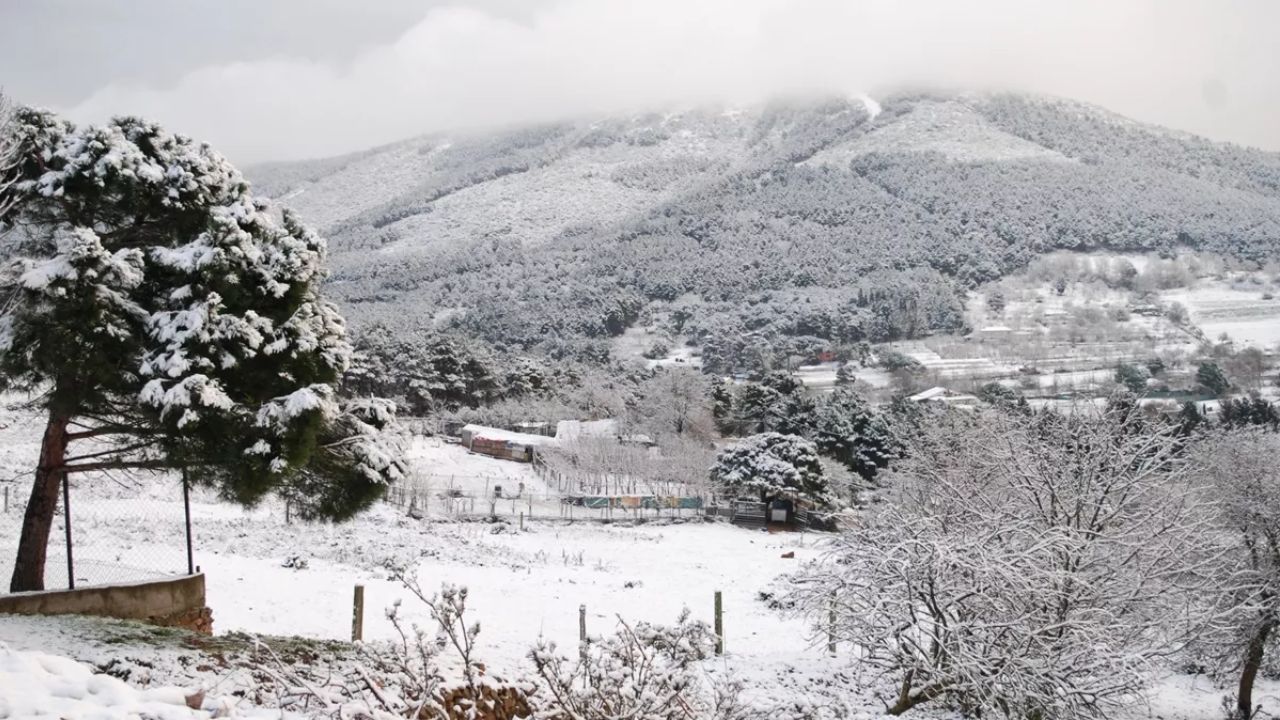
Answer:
(286, 79)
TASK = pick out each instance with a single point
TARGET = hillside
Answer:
(836, 220)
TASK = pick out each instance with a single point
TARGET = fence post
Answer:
(521, 522)
(582, 631)
(66, 521)
(719, 624)
(357, 615)
(186, 509)
(831, 624)
(6, 498)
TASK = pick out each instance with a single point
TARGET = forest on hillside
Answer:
(787, 225)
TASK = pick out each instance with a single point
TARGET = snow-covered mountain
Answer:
(550, 234)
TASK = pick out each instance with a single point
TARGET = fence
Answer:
(111, 531)
(423, 500)
(568, 482)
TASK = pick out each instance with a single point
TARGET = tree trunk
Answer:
(906, 700)
(1252, 664)
(33, 545)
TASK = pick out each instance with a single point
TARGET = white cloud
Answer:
(1201, 66)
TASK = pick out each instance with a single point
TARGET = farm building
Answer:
(943, 395)
(534, 428)
(569, 430)
(995, 332)
(502, 443)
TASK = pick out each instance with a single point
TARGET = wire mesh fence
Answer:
(576, 481)
(450, 497)
(110, 532)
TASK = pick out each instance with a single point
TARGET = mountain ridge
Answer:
(556, 236)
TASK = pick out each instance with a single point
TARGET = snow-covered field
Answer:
(272, 577)
(1242, 312)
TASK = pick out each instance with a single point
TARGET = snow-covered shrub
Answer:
(644, 671)
(406, 678)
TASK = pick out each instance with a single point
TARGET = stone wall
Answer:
(172, 602)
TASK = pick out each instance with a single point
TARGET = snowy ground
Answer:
(271, 577)
(37, 685)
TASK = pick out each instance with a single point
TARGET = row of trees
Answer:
(842, 425)
(1041, 565)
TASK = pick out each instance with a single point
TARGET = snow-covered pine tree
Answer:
(167, 320)
(774, 466)
(8, 155)
(844, 376)
(847, 429)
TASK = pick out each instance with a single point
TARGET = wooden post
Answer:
(831, 624)
(719, 620)
(582, 631)
(522, 521)
(6, 498)
(357, 615)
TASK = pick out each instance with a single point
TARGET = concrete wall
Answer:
(177, 602)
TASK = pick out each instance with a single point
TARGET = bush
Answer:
(894, 360)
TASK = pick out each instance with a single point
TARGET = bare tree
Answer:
(676, 403)
(8, 159)
(1035, 569)
(1242, 465)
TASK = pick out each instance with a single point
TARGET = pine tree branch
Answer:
(124, 465)
(109, 430)
(112, 451)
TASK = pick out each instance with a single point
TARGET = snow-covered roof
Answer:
(996, 329)
(932, 393)
(944, 395)
(491, 433)
(639, 439)
(574, 429)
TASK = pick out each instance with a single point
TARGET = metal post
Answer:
(66, 521)
(186, 509)
(357, 615)
(719, 620)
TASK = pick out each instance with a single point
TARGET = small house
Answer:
(534, 428)
(503, 444)
(995, 333)
(943, 395)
